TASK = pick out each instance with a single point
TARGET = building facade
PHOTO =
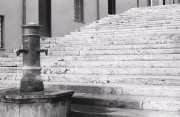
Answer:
(58, 17)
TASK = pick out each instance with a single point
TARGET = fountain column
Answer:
(31, 80)
(32, 99)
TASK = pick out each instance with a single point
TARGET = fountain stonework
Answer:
(32, 100)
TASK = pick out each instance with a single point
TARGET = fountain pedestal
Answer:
(37, 104)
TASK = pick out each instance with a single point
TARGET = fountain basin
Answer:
(35, 104)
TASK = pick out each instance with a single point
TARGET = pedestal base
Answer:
(38, 104)
(31, 80)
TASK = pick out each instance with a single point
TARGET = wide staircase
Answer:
(125, 65)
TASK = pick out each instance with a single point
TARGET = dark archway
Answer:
(111, 7)
(45, 17)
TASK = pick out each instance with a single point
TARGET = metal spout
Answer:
(38, 50)
(18, 52)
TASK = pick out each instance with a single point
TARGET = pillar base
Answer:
(31, 80)
(37, 104)
(31, 83)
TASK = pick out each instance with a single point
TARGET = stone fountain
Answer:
(32, 100)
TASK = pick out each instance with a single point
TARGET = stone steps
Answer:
(130, 42)
(101, 64)
(137, 27)
(136, 19)
(145, 12)
(128, 102)
(100, 71)
(109, 71)
(156, 15)
(157, 57)
(107, 52)
(139, 15)
(104, 40)
(147, 16)
(115, 35)
(125, 31)
(141, 26)
(134, 90)
(118, 35)
(112, 47)
(129, 27)
(109, 38)
(127, 52)
(116, 64)
(112, 37)
(132, 27)
(164, 24)
(120, 42)
(103, 79)
(130, 23)
(107, 89)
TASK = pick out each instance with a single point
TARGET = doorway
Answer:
(45, 17)
(164, 2)
(111, 7)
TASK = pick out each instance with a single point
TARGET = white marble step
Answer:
(95, 88)
(100, 64)
(107, 52)
(109, 42)
(102, 79)
(111, 47)
(154, 57)
(99, 71)
(112, 37)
